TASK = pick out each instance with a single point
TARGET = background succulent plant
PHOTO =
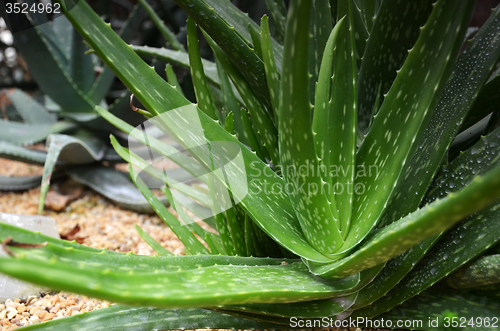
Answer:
(328, 98)
(64, 116)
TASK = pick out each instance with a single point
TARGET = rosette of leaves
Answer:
(375, 249)
(75, 135)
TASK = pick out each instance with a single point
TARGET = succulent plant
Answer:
(65, 119)
(377, 100)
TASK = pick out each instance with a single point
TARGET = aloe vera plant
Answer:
(323, 219)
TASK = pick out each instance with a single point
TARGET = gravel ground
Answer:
(44, 307)
(90, 220)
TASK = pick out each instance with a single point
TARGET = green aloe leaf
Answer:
(151, 242)
(212, 246)
(438, 216)
(250, 240)
(187, 220)
(220, 221)
(172, 78)
(449, 308)
(132, 158)
(403, 115)
(38, 18)
(203, 94)
(28, 134)
(257, 47)
(493, 122)
(468, 138)
(469, 74)
(203, 212)
(200, 287)
(236, 231)
(297, 153)
(395, 270)
(342, 120)
(51, 74)
(31, 111)
(29, 237)
(164, 30)
(320, 26)
(79, 255)
(218, 244)
(242, 24)
(485, 103)
(170, 152)
(361, 33)
(322, 112)
(365, 277)
(386, 49)
(229, 125)
(277, 12)
(272, 75)
(121, 108)
(467, 165)
(489, 291)
(18, 153)
(181, 230)
(253, 143)
(476, 161)
(455, 176)
(177, 58)
(234, 46)
(274, 214)
(261, 117)
(103, 82)
(81, 66)
(482, 272)
(231, 103)
(20, 183)
(369, 11)
(124, 318)
(263, 318)
(63, 31)
(459, 245)
(314, 309)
